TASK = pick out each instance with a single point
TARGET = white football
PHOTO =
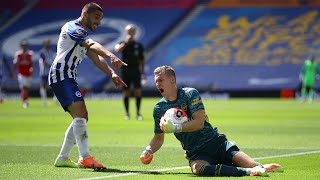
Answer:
(176, 115)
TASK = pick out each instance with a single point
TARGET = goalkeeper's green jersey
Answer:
(190, 101)
(309, 71)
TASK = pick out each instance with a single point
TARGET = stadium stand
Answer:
(251, 46)
(118, 4)
(9, 8)
(244, 49)
(253, 3)
(153, 18)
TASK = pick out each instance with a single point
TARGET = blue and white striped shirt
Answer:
(69, 52)
(46, 57)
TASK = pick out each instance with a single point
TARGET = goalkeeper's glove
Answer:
(168, 126)
(146, 156)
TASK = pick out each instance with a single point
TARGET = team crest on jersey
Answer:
(64, 36)
(184, 107)
(82, 53)
(80, 32)
(78, 94)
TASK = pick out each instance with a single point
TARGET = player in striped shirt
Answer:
(73, 45)
(45, 61)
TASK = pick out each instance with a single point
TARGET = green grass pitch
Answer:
(270, 130)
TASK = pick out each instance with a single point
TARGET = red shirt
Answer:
(24, 62)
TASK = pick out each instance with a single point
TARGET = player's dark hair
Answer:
(91, 7)
(23, 42)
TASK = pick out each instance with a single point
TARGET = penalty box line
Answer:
(185, 167)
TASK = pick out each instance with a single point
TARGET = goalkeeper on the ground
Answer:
(209, 152)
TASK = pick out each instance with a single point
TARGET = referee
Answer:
(132, 54)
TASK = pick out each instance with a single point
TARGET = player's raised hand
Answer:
(117, 81)
(116, 62)
(146, 156)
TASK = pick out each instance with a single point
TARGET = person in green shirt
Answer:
(209, 152)
(308, 77)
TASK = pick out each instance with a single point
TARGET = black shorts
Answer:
(218, 151)
(131, 77)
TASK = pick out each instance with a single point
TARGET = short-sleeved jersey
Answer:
(69, 52)
(309, 71)
(24, 62)
(46, 56)
(190, 101)
(132, 54)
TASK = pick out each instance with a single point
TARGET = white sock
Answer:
(54, 98)
(43, 94)
(68, 143)
(81, 133)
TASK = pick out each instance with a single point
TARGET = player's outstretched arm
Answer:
(104, 67)
(154, 145)
(100, 50)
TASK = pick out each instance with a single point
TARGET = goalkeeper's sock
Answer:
(68, 143)
(221, 170)
(81, 135)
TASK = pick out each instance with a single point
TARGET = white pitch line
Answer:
(137, 173)
(185, 167)
(289, 155)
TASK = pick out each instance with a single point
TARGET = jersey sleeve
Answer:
(157, 116)
(195, 101)
(77, 33)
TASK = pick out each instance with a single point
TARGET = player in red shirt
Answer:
(23, 63)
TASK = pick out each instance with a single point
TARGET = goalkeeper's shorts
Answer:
(217, 151)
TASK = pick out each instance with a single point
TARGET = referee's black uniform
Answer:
(133, 55)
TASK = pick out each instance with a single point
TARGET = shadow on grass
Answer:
(108, 170)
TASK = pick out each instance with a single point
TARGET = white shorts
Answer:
(24, 81)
